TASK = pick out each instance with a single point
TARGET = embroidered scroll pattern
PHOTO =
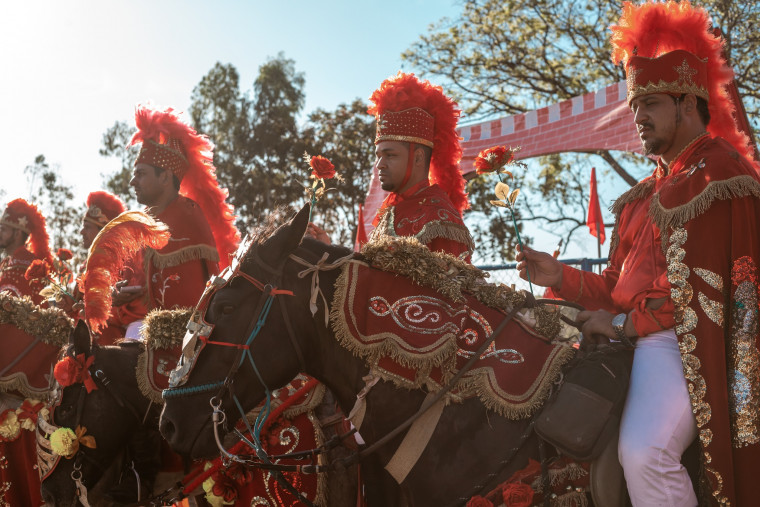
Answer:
(744, 376)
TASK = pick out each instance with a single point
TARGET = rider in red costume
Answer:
(682, 282)
(24, 238)
(417, 157)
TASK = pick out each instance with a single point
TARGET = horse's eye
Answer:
(228, 309)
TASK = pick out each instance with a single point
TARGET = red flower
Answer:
(29, 411)
(479, 501)
(64, 254)
(39, 268)
(321, 167)
(517, 494)
(224, 487)
(493, 159)
(72, 370)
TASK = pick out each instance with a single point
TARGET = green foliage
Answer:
(53, 197)
(502, 57)
(116, 144)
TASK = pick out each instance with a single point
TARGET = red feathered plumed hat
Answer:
(102, 207)
(25, 217)
(410, 110)
(669, 47)
(169, 143)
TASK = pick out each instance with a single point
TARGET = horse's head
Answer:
(98, 398)
(249, 334)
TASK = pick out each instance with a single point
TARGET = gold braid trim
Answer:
(188, 253)
(19, 383)
(50, 325)
(733, 188)
(639, 191)
(447, 230)
(164, 329)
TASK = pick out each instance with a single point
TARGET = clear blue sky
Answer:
(70, 69)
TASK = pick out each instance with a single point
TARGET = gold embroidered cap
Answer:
(675, 73)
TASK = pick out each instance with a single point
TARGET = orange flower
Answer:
(39, 268)
(493, 159)
(321, 167)
(517, 494)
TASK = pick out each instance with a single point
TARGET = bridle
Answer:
(47, 455)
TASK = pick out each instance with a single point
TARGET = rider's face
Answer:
(656, 118)
(147, 184)
(390, 160)
(88, 232)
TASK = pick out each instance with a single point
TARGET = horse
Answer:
(114, 412)
(111, 414)
(287, 334)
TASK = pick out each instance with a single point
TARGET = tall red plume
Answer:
(199, 183)
(113, 247)
(404, 91)
(654, 28)
(38, 239)
(109, 204)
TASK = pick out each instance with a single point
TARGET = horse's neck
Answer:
(119, 365)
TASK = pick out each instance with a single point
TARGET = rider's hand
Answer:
(545, 270)
(122, 294)
(318, 233)
(597, 326)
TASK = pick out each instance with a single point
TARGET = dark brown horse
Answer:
(111, 414)
(465, 453)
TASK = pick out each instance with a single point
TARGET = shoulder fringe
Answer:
(50, 325)
(733, 188)
(188, 253)
(447, 230)
(164, 329)
(19, 383)
(141, 373)
(639, 191)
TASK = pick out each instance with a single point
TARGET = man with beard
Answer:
(682, 281)
(417, 155)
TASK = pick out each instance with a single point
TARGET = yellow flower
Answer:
(65, 442)
(9, 426)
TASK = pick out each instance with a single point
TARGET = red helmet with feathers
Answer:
(397, 103)
(169, 143)
(26, 217)
(649, 36)
(102, 207)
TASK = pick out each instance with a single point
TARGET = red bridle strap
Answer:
(206, 341)
(259, 285)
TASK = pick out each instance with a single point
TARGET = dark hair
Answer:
(702, 108)
(175, 180)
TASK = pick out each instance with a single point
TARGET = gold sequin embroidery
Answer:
(713, 309)
(712, 279)
(744, 373)
(686, 321)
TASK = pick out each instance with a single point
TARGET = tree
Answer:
(506, 57)
(346, 137)
(116, 144)
(54, 200)
(258, 143)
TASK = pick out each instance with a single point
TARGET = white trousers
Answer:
(657, 425)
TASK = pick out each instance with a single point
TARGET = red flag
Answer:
(361, 234)
(594, 220)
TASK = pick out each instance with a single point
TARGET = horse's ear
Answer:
(81, 340)
(286, 238)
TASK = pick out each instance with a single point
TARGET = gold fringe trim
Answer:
(639, 191)
(188, 253)
(141, 372)
(18, 382)
(321, 496)
(733, 188)
(448, 230)
(447, 275)
(165, 329)
(50, 325)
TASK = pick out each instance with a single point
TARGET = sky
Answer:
(70, 69)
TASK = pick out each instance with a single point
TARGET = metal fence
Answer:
(507, 274)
